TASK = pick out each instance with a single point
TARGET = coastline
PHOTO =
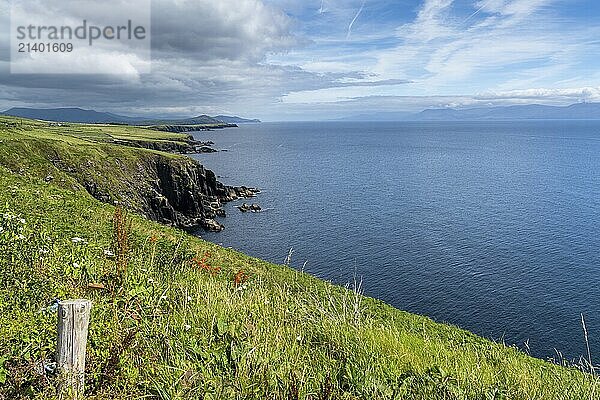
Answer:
(155, 176)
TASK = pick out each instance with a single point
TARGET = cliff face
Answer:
(185, 194)
(174, 191)
(187, 146)
(131, 166)
(171, 189)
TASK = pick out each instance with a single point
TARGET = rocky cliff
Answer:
(176, 191)
(183, 193)
(190, 128)
(131, 166)
(186, 146)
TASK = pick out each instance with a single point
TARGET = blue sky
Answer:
(321, 59)
(450, 53)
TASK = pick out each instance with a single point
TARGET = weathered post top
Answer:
(73, 322)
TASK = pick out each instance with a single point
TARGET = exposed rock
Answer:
(249, 208)
(176, 191)
(205, 149)
(246, 192)
(191, 193)
(187, 146)
(212, 225)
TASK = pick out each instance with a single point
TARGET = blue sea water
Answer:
(492, 226)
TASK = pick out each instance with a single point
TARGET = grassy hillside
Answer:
(118, 164)
(179, 318)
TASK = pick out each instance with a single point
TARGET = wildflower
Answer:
(1, 229)
(22, 221)
(187, 327)
(109, 253)
(150, 281)
(163, 297)
(44, 251)
(21, 237)
(240, 279)
(77, 240)
(203, 264)
(76, 265)
(189, 298)
(299, 338)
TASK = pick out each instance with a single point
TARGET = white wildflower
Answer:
(1, 229)
(163, 297)
(150, 280)
(78, 240)
(299, 338)
(21, 237)
(22, 221)
(76, 265)
(44, 251)
(109, 253)
(189, 298)
(187, 327)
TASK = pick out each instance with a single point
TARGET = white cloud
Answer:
(430, 23)
(564, 96)
(500, 45)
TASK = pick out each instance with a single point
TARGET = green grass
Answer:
(170, 327)
(85, 157)
(78, 133)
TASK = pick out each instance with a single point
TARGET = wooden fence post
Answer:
(73, 321)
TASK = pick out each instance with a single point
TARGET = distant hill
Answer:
(531, 111)
(69, 115)
(517, 112)
(236, 120)
(92, 116)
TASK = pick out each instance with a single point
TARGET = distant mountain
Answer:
(519, 112)
(70, 115)
(236, 120)
(91, 117)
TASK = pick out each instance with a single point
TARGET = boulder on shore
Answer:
(211, 225)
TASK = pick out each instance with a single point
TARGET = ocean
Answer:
(491, 226)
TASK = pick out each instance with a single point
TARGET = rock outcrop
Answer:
(171, 189)
(187, 146)
(249, 208)
(187, 195)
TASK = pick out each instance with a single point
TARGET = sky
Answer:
(327, 59)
